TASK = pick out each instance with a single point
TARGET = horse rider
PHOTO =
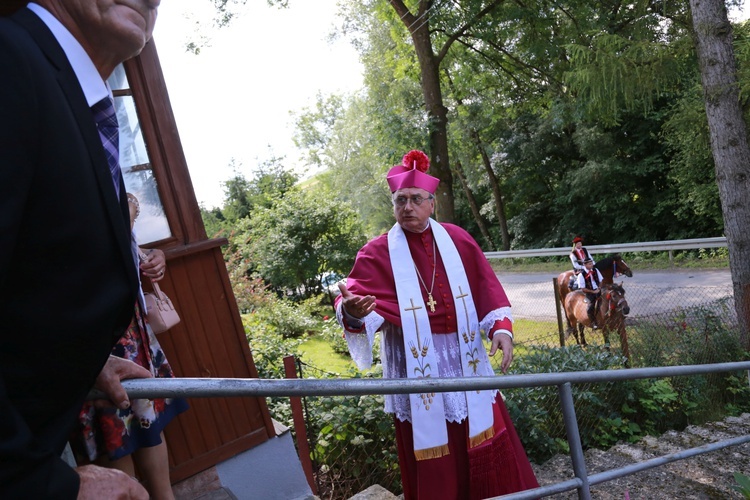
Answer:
(589, 281)
(577, 256)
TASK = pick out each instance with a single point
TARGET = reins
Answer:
(611, 306)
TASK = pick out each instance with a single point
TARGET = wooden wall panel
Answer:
(210, 340)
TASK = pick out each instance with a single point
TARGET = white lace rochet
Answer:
(394, 364)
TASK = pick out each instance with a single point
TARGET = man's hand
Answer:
(114, 371)
(505, 344)
(99, 482)
(357, 306)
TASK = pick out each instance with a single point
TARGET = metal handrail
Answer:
(233, 387)
(647, 246)
(223, 387)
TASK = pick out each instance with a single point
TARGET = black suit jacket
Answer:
(68, 282)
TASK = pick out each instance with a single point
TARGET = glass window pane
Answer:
(151, 225)
(118, 80)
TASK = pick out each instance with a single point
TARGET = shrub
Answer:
(284, 318)
(697, 335)
(536, 410)
(268, 347)
(334, 336)
(743, 485)
(355, 443)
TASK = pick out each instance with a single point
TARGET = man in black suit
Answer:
(68, 281)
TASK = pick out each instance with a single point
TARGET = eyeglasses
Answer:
(400, 201)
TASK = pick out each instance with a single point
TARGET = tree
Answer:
(350, 150)
(271, 180)
(729, 144)
(299, 237)
(565, 104)
(430, 60)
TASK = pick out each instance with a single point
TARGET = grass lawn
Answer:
(315, 351)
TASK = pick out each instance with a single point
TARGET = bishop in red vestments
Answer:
(490, 463)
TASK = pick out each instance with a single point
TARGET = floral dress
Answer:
(117, 433)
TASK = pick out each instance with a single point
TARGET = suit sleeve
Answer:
(28, 468)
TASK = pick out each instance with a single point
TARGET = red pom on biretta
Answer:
(416, 159)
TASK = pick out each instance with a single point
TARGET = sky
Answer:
(232, 101)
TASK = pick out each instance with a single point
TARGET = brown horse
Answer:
(608, 266)
(611, 309)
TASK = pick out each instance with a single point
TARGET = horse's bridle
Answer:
(613, 306)
(614, 267)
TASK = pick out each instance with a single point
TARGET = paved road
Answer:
(648, 292)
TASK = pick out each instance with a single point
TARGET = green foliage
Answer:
(743, 484)
(282, 318)
(269, 348)
(738, 394)
(615, 73)
(213, 221)
(333, 335)
(693, 336)
(536, 410)
(296, 239)
(356, 153)
(270, 182)
(573, 105)
(355, 442)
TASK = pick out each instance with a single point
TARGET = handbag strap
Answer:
(157, 290)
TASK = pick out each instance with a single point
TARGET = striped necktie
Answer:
(106, 122)
(109, 133)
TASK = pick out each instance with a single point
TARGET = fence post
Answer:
(303, 445)
(624, 342)
(558, 305)
(574, 440)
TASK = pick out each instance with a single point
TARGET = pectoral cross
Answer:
(431, 302)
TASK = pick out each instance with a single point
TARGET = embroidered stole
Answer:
(427, 410)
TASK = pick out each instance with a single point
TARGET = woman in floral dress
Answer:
(132, 440)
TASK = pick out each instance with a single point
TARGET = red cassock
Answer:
(497, 466)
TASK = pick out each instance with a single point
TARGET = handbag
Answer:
(160, 311)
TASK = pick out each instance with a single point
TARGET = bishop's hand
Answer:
(504, 343)
(357, 306)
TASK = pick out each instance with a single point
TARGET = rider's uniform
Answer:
(591, 280)
(577, 256)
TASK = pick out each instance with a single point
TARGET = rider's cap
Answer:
(588, 259)
(577, 239)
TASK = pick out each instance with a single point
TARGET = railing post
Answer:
(558, 306)
(303, 445)
(574, 440)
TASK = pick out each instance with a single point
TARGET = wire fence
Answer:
(352, 439)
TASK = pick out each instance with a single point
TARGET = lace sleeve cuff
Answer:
(500, 314)
(360, 341)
